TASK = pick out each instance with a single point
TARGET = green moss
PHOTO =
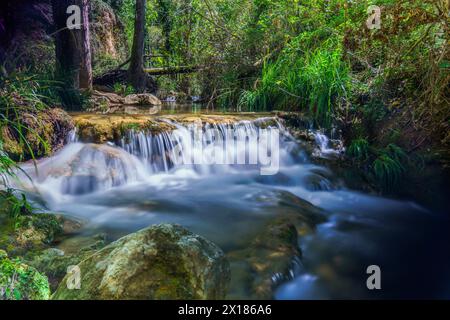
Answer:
(19, 281)
(22, 230)
(54, 262)
(160, 262)
(35, 133)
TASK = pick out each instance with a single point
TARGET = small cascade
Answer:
(325, 146)
(85, 168)
(72, 137)
(216, 144)
(202, 149)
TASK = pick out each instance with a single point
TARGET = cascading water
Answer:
(144, 179)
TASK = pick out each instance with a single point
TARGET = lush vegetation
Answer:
(386, 89)
(21, 282)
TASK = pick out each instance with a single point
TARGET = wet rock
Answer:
(304, 135)
(19, 281)
(270, 253)
(272, 256)
(104, 128)
(109, 102)
(104, 101)
(54, 262)
(295, 120)
(70, 225)
(24, 232)
(161, 262)
(143, 99)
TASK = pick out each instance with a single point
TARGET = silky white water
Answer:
(144, 179)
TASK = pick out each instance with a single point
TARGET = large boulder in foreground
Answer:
(161, 262)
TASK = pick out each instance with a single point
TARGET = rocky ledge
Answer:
(100, 128)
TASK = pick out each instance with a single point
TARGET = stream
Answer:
(121, 187)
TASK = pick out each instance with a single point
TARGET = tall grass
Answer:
(7, 166)
(312, 80)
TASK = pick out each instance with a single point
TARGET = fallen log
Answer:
(172, 70)
(120, 76)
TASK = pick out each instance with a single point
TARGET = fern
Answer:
(359, 149)
(388, 171)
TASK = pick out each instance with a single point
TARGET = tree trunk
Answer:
(85, 48)
(66, 46)
(136, 74)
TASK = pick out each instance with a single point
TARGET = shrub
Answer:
(21, 282)
(359, 149)
(389, 167)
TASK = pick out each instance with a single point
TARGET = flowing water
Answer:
(122, 187)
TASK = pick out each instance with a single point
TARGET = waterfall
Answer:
(200, 146)
(139, 155)
(324, 146)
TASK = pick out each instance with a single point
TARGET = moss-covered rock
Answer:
(100, 128)
(42, 133)
(54, 262)
(161, 262)
(24, 232)
(103, 128)
(19, 281)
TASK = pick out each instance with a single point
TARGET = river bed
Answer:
(121, 187)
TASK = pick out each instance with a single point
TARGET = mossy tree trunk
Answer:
(136, 74)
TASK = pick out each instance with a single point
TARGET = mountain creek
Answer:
(301, 233)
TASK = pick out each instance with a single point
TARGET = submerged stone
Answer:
(271, 256)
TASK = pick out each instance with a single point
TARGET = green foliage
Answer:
(21, 96)
(7, 165)
(21, 282)
(390, 167)
(104, 63)
(123, 90)
(15, 206)
(312, 81)
(359, 149)
(21, 92)
(388, 171)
